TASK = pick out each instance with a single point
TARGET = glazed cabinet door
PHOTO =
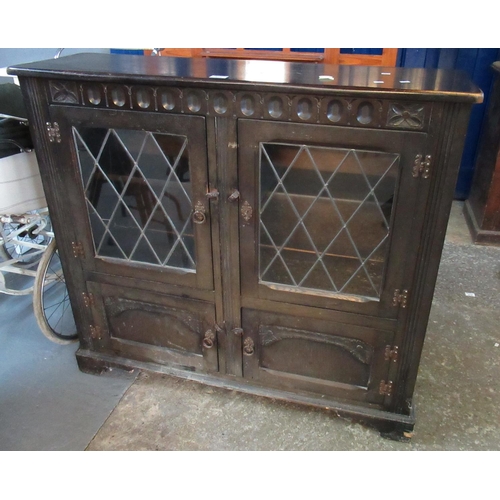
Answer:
(326, 215)
(142, 210)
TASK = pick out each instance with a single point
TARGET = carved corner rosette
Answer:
(406, 116)
(64, 92)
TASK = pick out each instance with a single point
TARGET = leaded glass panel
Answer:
(325, 217)
(138, 192)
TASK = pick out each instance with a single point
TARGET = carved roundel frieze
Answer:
(332, 110)
(305, 108)
(168, 99)
(194, 101)
(143, 98)
(221, 102)
(275, 106)
(335, 110)
(248, 105)
(365, 113)
(94, 95)
(118, 97)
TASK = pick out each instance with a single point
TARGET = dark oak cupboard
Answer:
(270, 227)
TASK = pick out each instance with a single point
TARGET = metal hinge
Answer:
(95, 332)
(400, 298)
(88, 299)
(422, 167)
(391, 353)
(53, 132)
(77, 247)
(385, 389)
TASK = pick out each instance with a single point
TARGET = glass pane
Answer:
(138, 191)
(324, 217)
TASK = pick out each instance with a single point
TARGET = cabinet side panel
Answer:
(58, 184)
(437, 210)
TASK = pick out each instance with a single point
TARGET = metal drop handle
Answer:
(199, 216)
(209, 339)
(248, 347)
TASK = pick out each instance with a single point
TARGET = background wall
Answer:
(477, 64)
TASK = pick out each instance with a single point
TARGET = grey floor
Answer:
(47, 404)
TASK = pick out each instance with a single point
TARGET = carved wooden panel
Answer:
(314, 356)
(151, 324)
(153, 327)
(301, 108)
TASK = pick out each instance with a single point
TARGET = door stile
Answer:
(226, 159)
(213, 184)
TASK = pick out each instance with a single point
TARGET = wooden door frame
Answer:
(400, 257)
(193, 127)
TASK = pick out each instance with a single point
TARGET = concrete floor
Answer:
(457, 396)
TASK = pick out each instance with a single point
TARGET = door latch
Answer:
(234, 195)
(213, 194)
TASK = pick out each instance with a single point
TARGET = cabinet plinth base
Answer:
(401, 432)
(390, 425)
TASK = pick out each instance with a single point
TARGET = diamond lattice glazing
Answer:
(138, 194)
(325, 217)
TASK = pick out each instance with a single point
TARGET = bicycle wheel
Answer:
(51, 301)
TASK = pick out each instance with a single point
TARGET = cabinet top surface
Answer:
(230, 73)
